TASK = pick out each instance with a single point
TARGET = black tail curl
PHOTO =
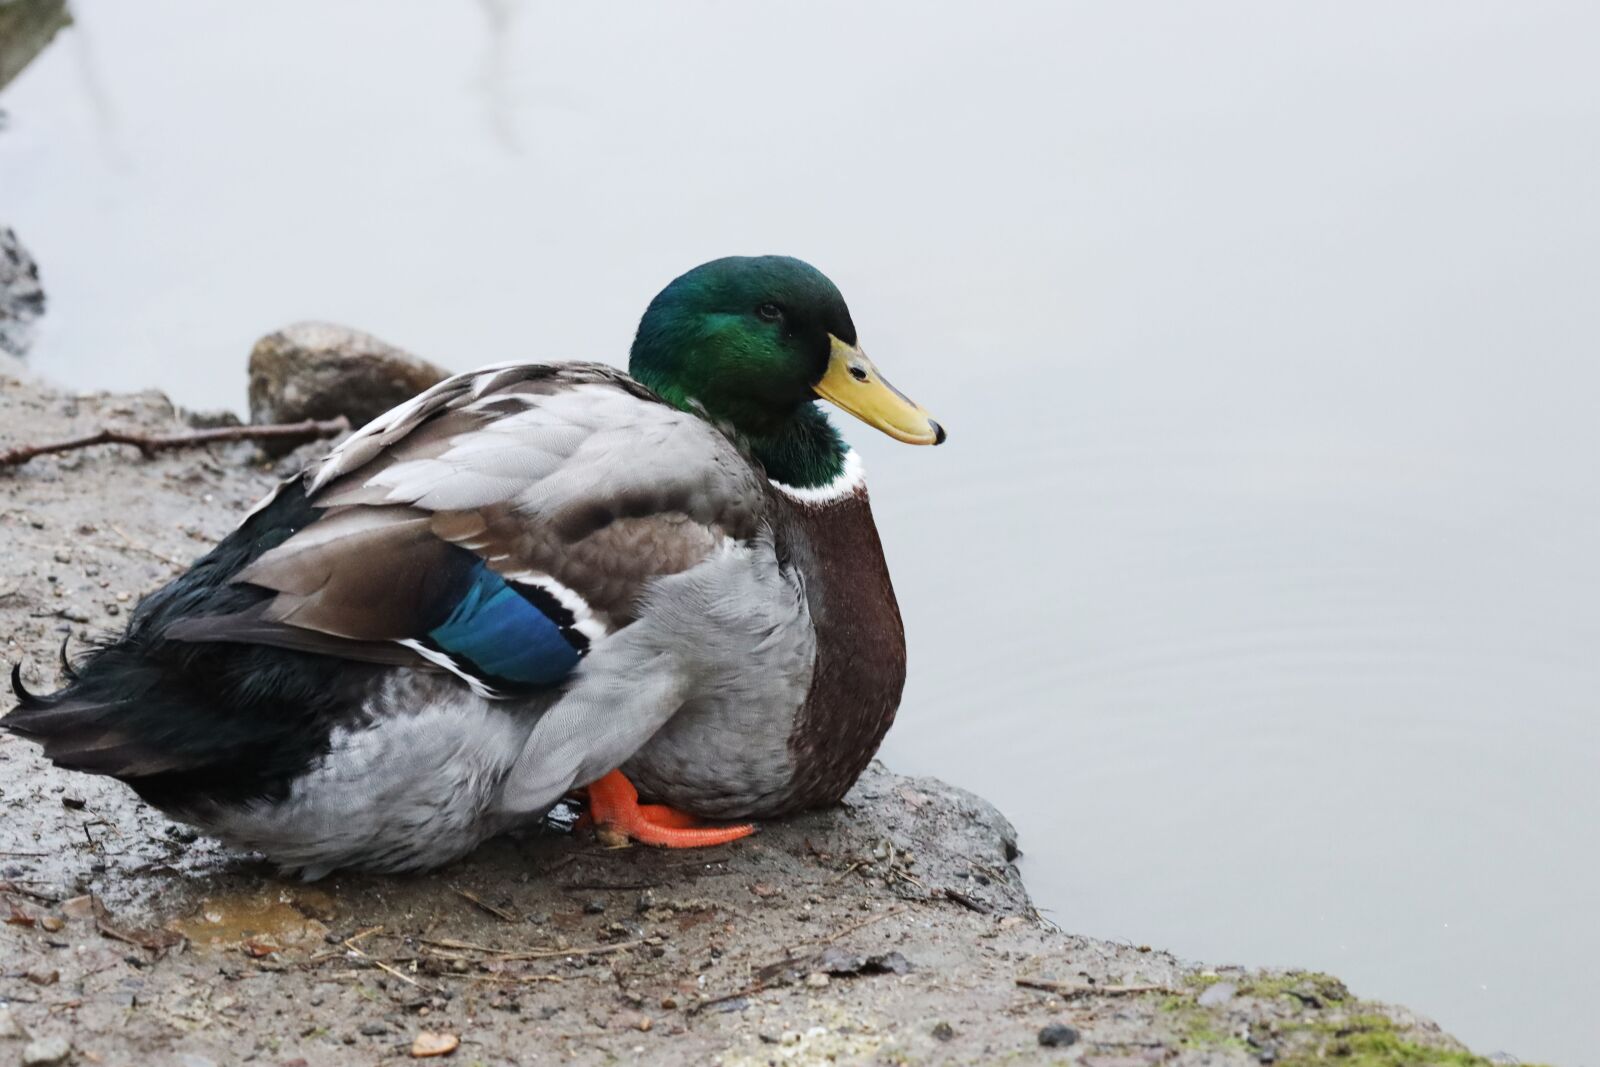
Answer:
(66, 664)
(183, 721)
(25, 699)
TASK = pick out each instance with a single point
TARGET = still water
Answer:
(1258, 581)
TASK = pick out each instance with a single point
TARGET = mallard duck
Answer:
(529, 581)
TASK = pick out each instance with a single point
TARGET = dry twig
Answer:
(748, 991)
(498, 912)
(853, 927)
(763, 984)
(146, 549)
(558, 953)
(350, 943)
(969, 902)
(150, 444)
(502, 954)
(1068, 990)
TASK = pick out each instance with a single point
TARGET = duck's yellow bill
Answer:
(854, 384)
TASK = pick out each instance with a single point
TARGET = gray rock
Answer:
(26, 27)
(316, 370)
(45, 1051)
(1058, 1035)
(11, 1027)
(21, 296)
(1220, 993)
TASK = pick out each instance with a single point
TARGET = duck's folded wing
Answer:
(499, 526)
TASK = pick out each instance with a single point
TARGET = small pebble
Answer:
(378, 1030)
(1058, 1035)
(428, 1043)
(594, 907)
(78, 907)
(40, 976)
(943, 1031)
(10, 1025)
(816, 980)
(45, 1051)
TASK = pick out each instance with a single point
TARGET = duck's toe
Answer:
(618, 817)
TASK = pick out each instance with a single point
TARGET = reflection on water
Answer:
(1257, 582)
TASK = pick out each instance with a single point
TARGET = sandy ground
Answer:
(894, 930)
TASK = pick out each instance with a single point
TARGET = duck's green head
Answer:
(754, 341)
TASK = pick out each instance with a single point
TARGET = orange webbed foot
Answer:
(615, 812)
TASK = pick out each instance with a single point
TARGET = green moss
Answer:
(1369, 1040)
(1312, 988)
(1311, 1038)
(1196, 1026)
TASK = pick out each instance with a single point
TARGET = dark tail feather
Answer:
(78, 729)
(26, 701)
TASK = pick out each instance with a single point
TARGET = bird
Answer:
(661, 591)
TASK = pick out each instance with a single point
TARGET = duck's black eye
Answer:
(770, 312)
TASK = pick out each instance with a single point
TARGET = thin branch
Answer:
(763, 984)
(146, 549)
(1068, 990)
(504, 955)
(558, 953)
(150, 444)
(350, 943)
(498, 912)
(970, 903)
(507, 979)
(853, 927)
(748, 991)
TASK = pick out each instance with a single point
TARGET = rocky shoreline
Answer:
(893, 930)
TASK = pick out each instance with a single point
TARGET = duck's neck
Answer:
(800, 449)
(804, 452)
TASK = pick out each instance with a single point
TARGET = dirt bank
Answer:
(894, 930)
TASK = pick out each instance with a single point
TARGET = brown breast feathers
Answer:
(861, 645)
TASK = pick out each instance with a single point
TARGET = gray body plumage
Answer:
(647, 522)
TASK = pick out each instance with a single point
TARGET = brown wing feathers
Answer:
(574, 474)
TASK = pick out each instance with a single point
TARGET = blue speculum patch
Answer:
(501, 631)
